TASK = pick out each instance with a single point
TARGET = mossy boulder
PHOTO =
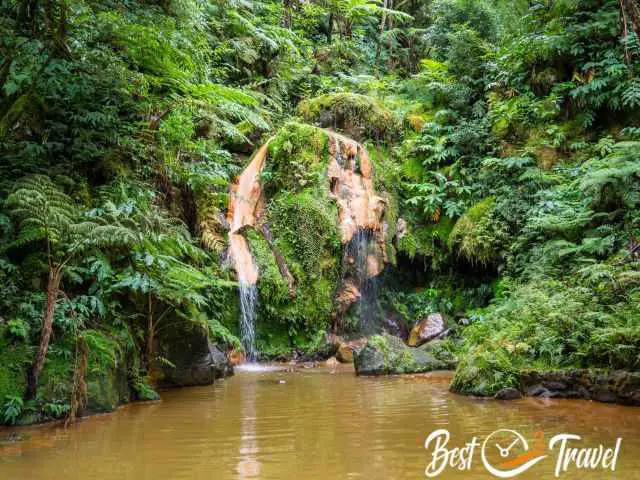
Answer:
(359, 116)
(384, 354)
(478, 235)
(195, 360)
(106, 390)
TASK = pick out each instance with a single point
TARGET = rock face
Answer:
(196, 360)
(611, 387)
(508, 394)
(344, 352)
(384, 354)
(426, 329)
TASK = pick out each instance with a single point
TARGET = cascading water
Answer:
(244, 210)
(248, 308)
(361, 227)
(361, 250)
(362, 232)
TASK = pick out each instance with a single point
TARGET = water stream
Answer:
(248, 308)
(309, 424)
(244, 210)
(359, 249)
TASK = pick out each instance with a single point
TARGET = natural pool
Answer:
(306, 424)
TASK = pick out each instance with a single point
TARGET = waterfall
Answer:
(361, 249)
(244, 210)
(248, 306)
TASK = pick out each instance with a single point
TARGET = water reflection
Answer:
(248, 465)
(314, 426)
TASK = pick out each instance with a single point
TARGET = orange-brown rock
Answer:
(347, 296)
(331, 362)
(345, 353)
(244, 207)
(236, 357)
(426, 329)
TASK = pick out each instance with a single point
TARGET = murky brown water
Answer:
(317, 425)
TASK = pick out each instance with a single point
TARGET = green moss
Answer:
(428, 240)
(478, 235)
(397, 358)
(353, 113)
(56, 381)
(386, 182)
(106, 389)
(298, 159)
(14, 360)
(306, 226)
(305, 230)
(273, 288)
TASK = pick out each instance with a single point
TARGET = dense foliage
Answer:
(503, 135)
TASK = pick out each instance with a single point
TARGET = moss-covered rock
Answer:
(106, 390)
(359, 116)
(384, 354)
(479, 235)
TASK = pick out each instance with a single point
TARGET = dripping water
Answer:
(359, 249)
(248, 306)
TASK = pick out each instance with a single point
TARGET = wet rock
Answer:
(508, 394)
(332, 362)
(401, 228)
(196, 360)
(369, 361)
(611, 387)
(347, 296)
(345, 353)
(384, 354)
(426, 329)
(343, 349)
(236, 357)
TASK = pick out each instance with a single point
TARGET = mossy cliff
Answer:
(298, 242)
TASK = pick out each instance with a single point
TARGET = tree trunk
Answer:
(286, 20)
(53, 284)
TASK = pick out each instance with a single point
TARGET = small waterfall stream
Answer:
(244, 211)
(360, 250)
(248, 308)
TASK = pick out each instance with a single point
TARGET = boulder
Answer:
(347, 296)
(508, 394)
(236, 357)
(344, 353)
(196, 360)
(426, 329)
(332, 362)
(385, 354)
